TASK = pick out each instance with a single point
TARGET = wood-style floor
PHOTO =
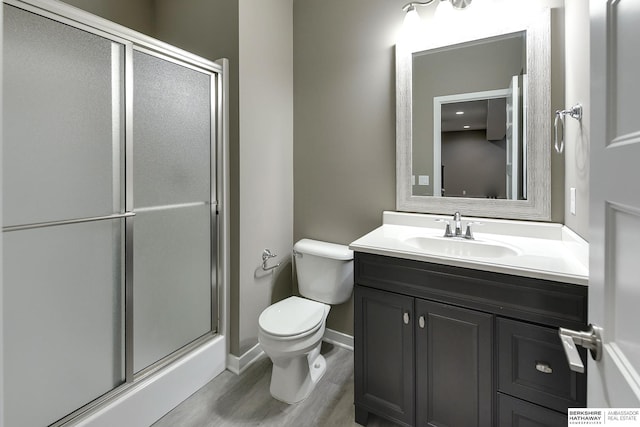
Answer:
(244, 400)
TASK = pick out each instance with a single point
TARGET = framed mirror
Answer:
(473, 122)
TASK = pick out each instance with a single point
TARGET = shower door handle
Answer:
(67, 221)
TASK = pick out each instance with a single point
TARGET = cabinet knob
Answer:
(405, 317)
(421, 322)
(544, 367)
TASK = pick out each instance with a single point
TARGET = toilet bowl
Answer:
(290, 331)
(292, 339)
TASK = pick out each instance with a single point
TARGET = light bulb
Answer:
(411, 27)
(411, 20)
(444, 11)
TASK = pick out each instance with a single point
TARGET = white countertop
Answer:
(544, 250)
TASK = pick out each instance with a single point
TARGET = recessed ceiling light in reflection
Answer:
(466, 126)
(459, 112)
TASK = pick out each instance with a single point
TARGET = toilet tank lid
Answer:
(323, 249)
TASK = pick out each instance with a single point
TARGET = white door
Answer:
(614, 283)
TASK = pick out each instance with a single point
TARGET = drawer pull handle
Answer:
(405, 317)
(421, 322)
(544, 368)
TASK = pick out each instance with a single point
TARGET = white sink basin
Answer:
(461, 248)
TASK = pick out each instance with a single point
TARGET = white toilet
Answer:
(291, 330)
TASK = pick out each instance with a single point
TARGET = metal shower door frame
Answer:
(132, 40)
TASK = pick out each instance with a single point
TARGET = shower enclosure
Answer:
(110, 221)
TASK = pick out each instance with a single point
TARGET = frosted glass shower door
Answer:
(64, 327)
(63, 114)
(63, 231)
(172, 192)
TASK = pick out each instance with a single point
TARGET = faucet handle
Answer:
(468, 234)
(447, 230)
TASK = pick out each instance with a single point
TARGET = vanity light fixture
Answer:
(410, 8)
(411, 23)
(412, 19)
(459, 113)
(466, 126)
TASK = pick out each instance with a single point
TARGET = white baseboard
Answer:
(154, 397)
(238, 365)
(338, 338)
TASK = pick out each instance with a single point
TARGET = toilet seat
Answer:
(292, 316)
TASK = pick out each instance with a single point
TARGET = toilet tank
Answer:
(324, 271)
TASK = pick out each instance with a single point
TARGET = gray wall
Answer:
(134, 14)
(266, 158)
(344, 121)
(578, 80)
(484, 161)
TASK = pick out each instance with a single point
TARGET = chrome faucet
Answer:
(458, 225)
(457, 221)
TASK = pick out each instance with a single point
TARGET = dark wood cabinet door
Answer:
(454, 360)
(384, 364)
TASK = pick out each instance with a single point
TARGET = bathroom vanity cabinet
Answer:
(452, 346)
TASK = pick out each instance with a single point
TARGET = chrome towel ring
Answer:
(576, 113)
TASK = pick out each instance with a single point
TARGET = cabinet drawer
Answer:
(532, 365)
(534, 300)
(514, 412)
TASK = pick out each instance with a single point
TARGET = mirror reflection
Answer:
(468, 120)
